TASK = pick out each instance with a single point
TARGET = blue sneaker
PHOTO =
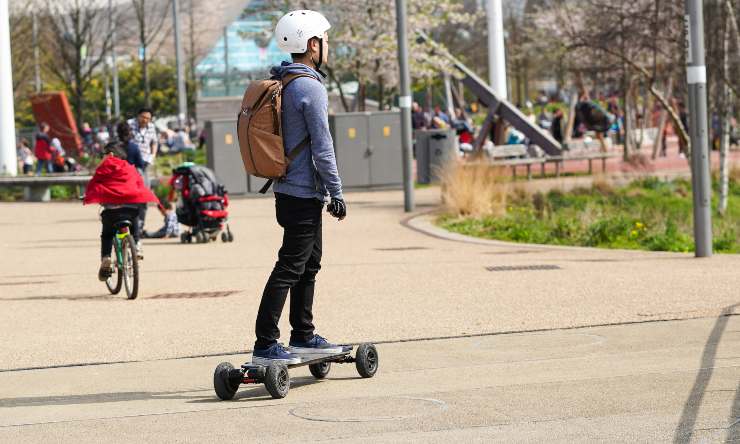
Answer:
(317, 345)
(275, 353)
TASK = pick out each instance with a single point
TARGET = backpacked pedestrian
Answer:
(300, 196)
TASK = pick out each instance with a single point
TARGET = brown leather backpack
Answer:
(259, 130)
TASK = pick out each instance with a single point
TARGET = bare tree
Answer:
(364, 41)
(150, 17)
(644, 36)
(21, 47)
(80, 38)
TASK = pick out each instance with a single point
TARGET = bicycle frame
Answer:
(121, 234)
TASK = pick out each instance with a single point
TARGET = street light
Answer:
(404, 102)
(696, 76)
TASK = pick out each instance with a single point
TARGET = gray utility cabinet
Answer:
(368, 148)
(433, 149)
(225, 159)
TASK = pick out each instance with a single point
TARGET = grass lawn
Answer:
(648, 214)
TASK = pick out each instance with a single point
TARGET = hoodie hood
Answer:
(117, 182)
(280, 71)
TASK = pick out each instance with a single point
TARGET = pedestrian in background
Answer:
(42, 149)
(145, 135)
(25, 157)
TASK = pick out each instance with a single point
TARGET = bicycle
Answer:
(126, 264)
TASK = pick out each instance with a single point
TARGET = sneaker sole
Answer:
(315, 351)
(268, 361)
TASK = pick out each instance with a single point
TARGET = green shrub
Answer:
(647, 214)
(63, 192)
(11, 194)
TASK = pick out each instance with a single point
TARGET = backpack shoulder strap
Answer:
(299, 148)
(287, 79)
(293, 154)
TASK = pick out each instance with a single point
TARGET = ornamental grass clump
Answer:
(473, 189)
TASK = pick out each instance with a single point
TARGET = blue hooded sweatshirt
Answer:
(305, 111)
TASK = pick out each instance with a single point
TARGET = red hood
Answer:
(117, 182)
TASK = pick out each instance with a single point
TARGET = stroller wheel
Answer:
(201, 237)
(224, 237)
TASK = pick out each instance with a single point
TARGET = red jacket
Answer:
(116, 182)
(42, 149)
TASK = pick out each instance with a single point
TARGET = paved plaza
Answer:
(479, 341)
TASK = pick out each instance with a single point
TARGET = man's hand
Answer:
(337, 208)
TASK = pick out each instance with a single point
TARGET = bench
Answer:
(507, 151)
(38, 188)
(557, 160)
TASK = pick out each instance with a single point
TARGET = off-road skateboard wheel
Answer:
(224, 387)
(277, 380)
(366, 360)
(320, 370)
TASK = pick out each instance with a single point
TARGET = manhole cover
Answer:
(194, 295)
(369, 409)
(402, 249)
(523, 268)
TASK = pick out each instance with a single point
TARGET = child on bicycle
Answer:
(119, 189)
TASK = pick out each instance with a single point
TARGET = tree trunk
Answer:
(448, 96)
(643, 113)
(361, 94)
(626, 111)
(381, 93)
(662, 123)
(430, 95)
(145, 77)
(461, 95)
(726, 114)
(191, 36)
(342, 97)
(571, 118)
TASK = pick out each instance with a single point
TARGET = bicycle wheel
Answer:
(130, 267)
(115, 280)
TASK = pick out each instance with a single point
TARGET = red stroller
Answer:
(202, 204)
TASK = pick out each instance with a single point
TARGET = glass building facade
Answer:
(246, 51)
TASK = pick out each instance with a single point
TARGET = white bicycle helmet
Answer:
(296, 28)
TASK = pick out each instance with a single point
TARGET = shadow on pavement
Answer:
(258, 392)
(685, 429)
(95, 398)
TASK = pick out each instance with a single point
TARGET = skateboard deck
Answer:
(309, 359)
(275, 377)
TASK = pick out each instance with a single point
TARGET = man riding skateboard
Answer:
(300, 196)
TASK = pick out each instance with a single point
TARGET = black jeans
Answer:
(109, 219)
(299, 259)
